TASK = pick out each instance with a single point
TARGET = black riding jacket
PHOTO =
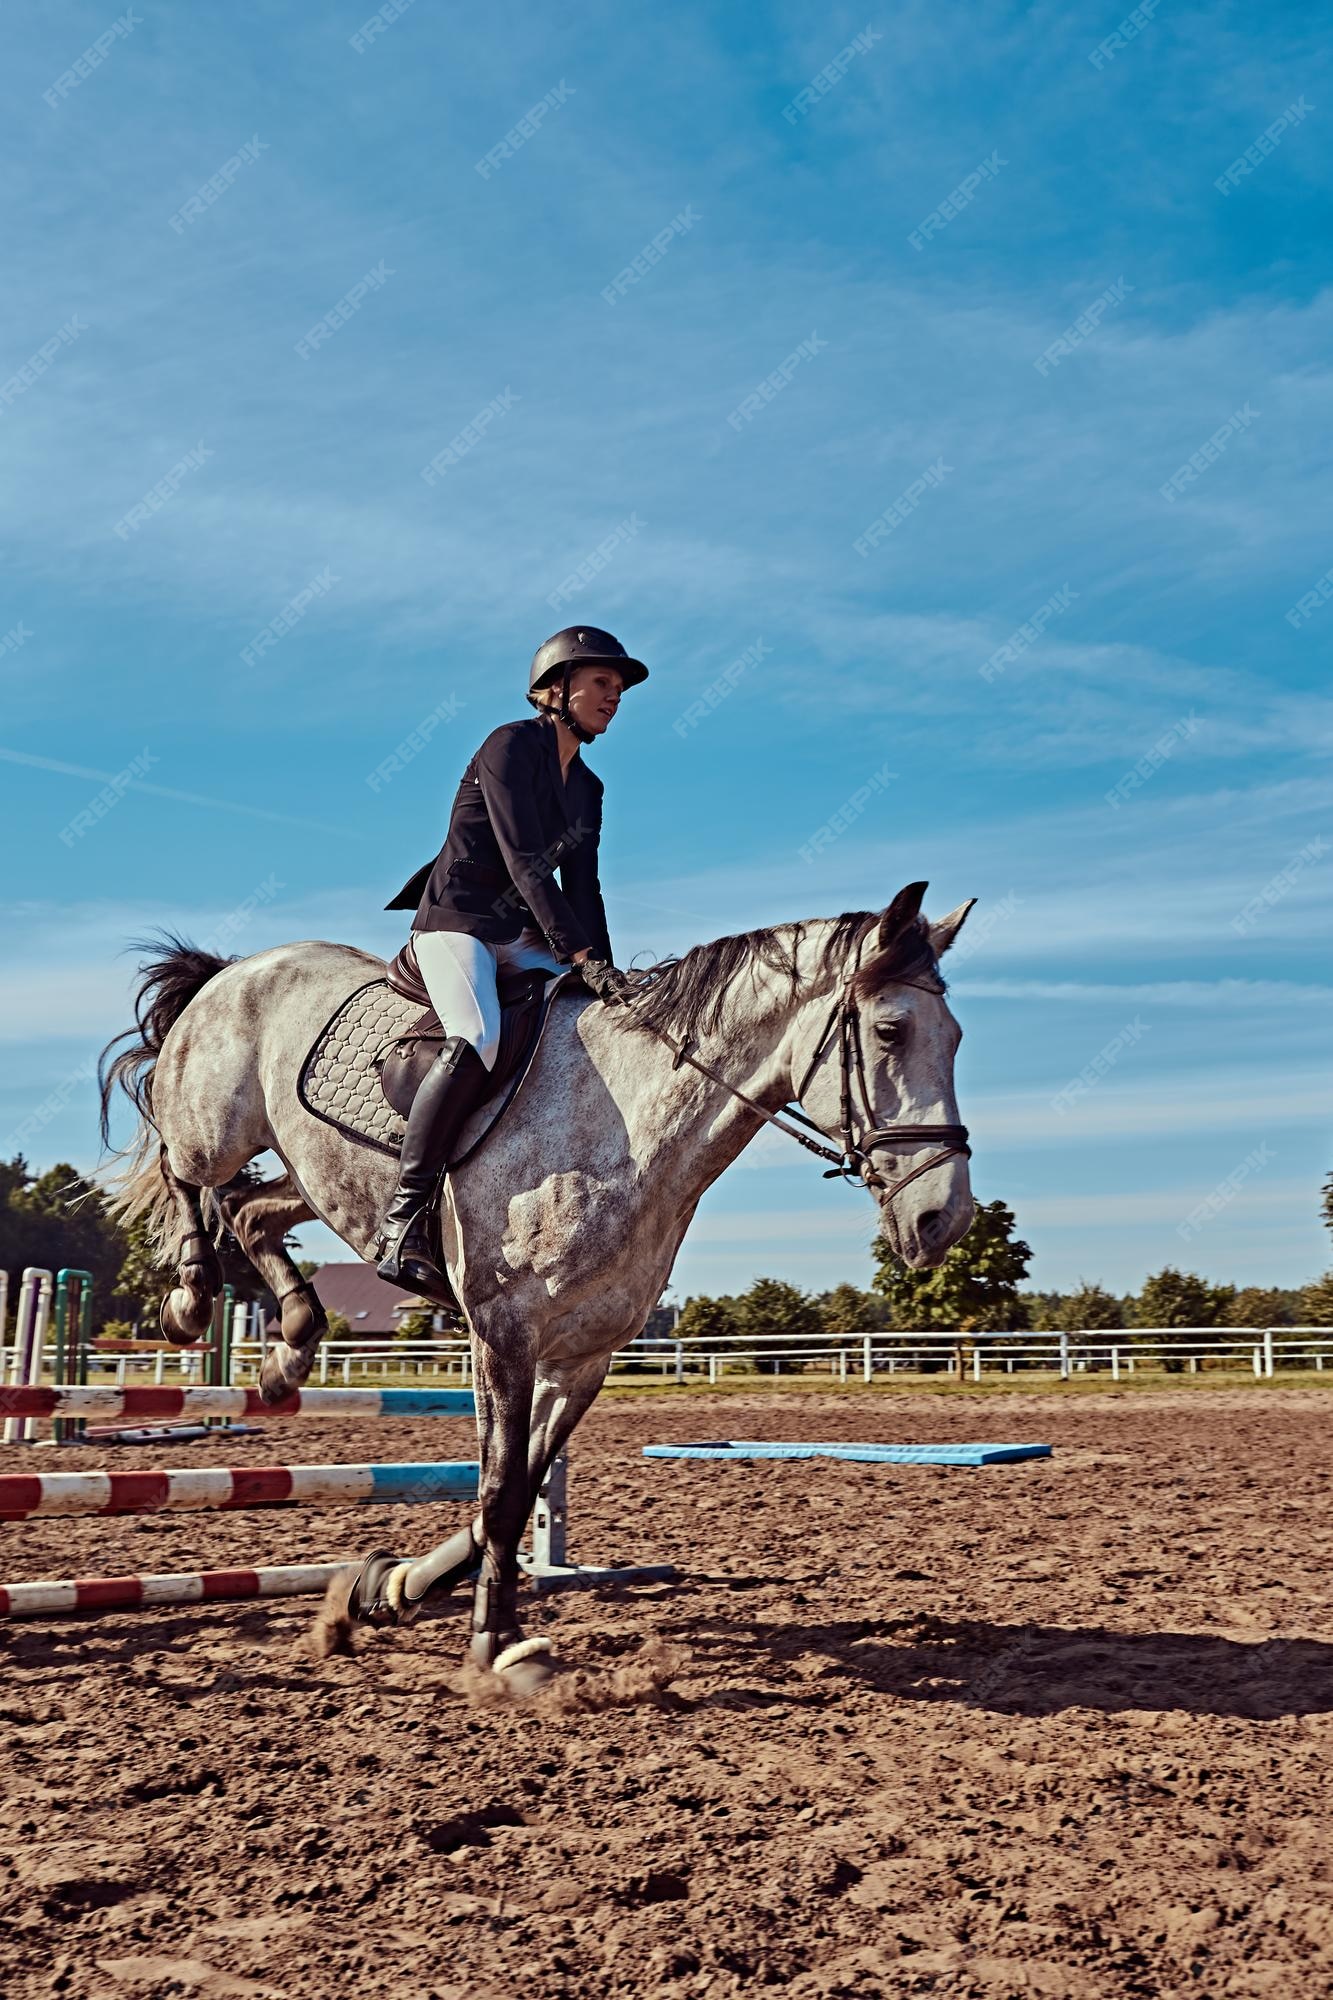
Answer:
(515, 821)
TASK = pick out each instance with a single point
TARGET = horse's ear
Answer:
(902, 911)
(946, 930)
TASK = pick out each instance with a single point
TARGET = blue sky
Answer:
(1168, 675)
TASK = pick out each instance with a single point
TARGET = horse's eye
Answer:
(890, 1034)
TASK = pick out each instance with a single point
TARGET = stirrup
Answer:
(419, 1272)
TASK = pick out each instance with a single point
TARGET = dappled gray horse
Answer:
(559, 1233)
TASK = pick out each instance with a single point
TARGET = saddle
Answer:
(523, 1000)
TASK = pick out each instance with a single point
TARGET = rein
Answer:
(851, 1159)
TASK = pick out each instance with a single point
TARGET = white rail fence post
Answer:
(31, 1321)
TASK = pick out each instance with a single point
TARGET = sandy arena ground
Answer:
(1060, 1727)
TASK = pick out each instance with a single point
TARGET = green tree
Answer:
(1091, 1308)
(771, 1306)
(848, 1310)
(705, 1319)
(974, 1290)
(1180, 1298)
(1254, 1305)
(419, 1323)
(58, 1219)
(1317, 1302)
(1042, 1309)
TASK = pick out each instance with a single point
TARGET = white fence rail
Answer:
(1260, 1352)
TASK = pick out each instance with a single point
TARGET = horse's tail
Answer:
(171, 978)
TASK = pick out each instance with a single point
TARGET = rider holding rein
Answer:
(527, 805)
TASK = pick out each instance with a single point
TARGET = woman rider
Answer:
(527, 805)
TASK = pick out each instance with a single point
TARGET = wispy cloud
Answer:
(135, 784)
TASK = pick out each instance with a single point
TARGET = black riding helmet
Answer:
(582, 646)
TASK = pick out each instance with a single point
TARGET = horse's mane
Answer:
(685, 996)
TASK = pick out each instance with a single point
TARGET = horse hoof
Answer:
(360, 1594)
(184, 1317)
(522, 1669)
(285, 1369)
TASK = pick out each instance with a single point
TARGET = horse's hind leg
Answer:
(259, 1215)
(187, 1310)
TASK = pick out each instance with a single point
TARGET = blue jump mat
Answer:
(858, 1454)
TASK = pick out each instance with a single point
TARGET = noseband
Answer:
(852, 1160)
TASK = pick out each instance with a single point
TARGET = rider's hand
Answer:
(605, 980)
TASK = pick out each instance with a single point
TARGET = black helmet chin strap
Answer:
(575, 728)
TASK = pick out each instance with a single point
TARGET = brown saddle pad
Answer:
(341, 1079)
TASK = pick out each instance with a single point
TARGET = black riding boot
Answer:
(452, 1087)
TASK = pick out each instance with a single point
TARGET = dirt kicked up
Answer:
(1057, 1727)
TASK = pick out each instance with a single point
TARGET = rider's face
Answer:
(594, 696)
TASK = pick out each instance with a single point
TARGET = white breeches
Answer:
(460, 973)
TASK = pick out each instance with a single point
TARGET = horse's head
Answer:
(883, 1066)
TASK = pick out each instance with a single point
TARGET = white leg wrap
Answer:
(524, 1650)
(394, 1589)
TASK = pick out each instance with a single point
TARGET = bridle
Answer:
(852, 1160)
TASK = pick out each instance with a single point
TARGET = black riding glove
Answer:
(607, 981)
